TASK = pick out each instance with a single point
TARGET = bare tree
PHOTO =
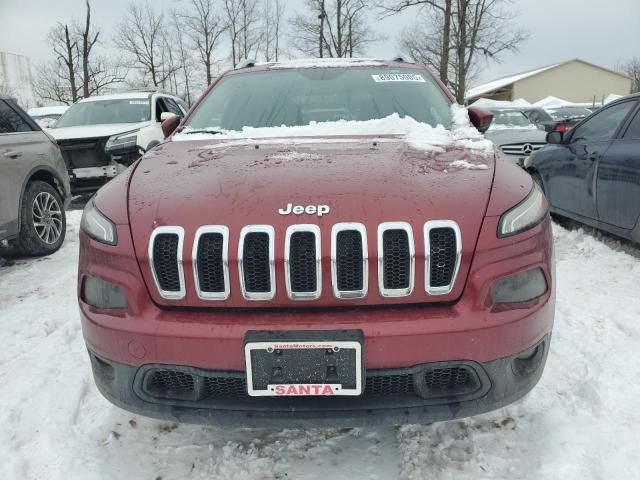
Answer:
(272, 14)
(245, 29)
(632, 69)
(465, 32)
(65, 48)
(142, 35)
(89, 39)
(436, 41)
(334, 28)
(205, 27)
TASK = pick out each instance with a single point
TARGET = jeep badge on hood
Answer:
(319, 210)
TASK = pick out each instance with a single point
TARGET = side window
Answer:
(173, 106)
(633, 132)
(604, 125)
(11, 121)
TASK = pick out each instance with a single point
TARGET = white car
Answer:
(47, 117)
(101, 136)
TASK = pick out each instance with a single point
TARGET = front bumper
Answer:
(392, 397)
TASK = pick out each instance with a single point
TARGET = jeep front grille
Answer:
(396, 259)
(211, 262)
(442, 259)
(165, 258)
(349, 260)
(302, 262)
(256, 261)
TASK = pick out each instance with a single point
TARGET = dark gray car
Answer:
(34, 184)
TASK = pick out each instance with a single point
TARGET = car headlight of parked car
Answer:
(525, 215)
(97, 226)
(122, 141)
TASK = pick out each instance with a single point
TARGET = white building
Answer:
(16, 79)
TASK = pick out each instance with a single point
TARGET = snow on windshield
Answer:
(419, 135)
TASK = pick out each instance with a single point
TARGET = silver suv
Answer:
(34, 184)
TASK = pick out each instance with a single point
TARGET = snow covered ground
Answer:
(581, 422)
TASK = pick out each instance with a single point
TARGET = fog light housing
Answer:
(520, 287)
(101, 294)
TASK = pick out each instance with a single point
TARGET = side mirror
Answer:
(555, 138)
(170, 124)
(166, 115)
(480, 118)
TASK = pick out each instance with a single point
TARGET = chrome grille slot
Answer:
(303, 262)
(396, 257)
(211, 262)
(349, 260)
(165, 260)
(256, 262)
(443, 247)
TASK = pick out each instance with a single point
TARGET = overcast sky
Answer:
(601, 32)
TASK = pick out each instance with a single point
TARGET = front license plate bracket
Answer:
(311, 363)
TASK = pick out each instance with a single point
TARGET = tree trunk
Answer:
(70, 65)
(446, 43)
(321, 35)
(461, 51)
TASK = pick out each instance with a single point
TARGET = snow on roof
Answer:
(489, 103)
(116, 96)
(554, 102)
(612, 98)
(52, 110)
(324, 63)
(504, 81)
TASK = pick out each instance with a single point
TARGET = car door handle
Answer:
(11, 154)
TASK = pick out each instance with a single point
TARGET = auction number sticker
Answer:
(398, 77)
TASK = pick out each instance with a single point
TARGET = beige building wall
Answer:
(574, 81)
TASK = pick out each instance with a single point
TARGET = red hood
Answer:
(238, 183)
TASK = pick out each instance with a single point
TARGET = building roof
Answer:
(510, 79)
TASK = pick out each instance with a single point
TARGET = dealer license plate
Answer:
(304, 364)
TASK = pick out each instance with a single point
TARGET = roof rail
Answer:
(246, 64)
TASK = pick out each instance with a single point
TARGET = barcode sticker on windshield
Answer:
(398, 77)
(138, 102)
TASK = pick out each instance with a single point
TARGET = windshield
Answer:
(568, 112)
(510, 118)
(300, 97)
(99, 112)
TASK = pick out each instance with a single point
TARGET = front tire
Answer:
(43, 222)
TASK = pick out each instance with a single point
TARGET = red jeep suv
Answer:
(318, 243)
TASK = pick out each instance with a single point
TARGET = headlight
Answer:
(525, 215)
(122, 141)
(101, 294)
(97, 226)
(520, 287)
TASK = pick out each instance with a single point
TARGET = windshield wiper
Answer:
(203, 130)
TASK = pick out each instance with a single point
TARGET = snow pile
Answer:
(490, 103)
(553, 102)
(579, 423)
(419, 135)
(612, 98)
